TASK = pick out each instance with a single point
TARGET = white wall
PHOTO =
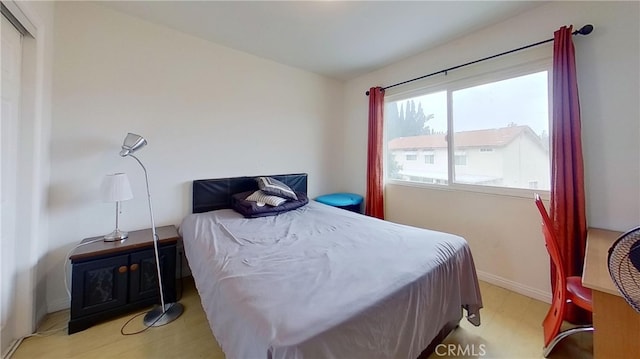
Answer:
(504, 232)
(207, 111)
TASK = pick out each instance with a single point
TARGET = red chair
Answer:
(567, 290)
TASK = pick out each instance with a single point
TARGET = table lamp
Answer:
(116, 188)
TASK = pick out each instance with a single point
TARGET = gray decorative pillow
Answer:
(262, 198)
(274, 187)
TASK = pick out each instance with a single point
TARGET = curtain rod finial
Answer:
(586, 29)
(367, 93)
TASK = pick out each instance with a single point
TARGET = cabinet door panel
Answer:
(99, 285)
(144, 281)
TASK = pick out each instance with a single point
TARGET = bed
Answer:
(322, 282)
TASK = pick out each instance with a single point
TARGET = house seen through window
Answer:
(499, 133)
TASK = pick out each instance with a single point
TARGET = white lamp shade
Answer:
(116, 188)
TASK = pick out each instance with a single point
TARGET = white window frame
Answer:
(520, 65)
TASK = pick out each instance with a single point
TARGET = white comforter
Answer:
(324, 282)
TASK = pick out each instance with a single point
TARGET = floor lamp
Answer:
(167, 312)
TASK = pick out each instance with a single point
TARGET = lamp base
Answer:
(156, 318)
(116, 236)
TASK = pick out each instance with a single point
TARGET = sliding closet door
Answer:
(10, 112)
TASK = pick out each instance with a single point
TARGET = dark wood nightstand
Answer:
(112, 278)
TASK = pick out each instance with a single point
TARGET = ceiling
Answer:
(339, 39)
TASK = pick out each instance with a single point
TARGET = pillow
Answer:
(250, 209)
(262, 198)
(274, 187)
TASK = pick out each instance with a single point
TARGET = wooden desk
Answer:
(617, 325)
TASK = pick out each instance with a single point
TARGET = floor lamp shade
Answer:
(116, 188)
(131, 144)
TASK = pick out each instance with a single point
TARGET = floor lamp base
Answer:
(155, 317)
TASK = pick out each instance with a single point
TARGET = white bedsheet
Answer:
(324, 282)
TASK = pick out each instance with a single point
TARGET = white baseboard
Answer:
(11, 348)
(515, 286)
(41, 313)
(57, 305)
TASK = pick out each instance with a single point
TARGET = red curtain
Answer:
(567, 169)
(374, 205)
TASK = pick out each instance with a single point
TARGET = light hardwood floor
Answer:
(511, 328)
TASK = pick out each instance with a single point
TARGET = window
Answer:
(411, 157)
(411, 126)
(499, 123)
(460, 159)
(429, 159)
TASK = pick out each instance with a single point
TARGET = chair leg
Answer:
(563, 335)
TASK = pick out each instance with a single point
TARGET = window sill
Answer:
(489, 190)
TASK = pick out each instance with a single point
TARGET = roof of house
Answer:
(480, 138)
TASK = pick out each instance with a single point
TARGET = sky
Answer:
(521, 100)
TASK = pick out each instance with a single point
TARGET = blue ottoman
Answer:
(349, 201)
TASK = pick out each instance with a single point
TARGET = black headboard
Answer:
(212, 194)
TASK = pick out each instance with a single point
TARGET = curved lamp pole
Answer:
(167, 312)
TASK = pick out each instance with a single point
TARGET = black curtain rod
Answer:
(585, 30)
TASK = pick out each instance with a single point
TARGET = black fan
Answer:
(624, 266)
